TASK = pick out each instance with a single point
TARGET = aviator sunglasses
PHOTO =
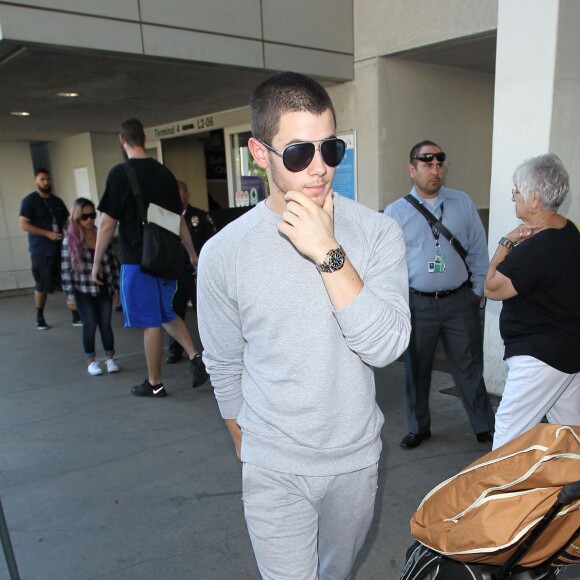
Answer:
(298, 156)
(428, 157)
(88, 216)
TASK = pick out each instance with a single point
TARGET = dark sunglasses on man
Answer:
(298, 156)
(428, 157)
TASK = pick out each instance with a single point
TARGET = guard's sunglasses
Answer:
(428, 157)
(298, 156)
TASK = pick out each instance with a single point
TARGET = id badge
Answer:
(55, 226)
(437, 266)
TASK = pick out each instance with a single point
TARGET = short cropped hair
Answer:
(544, 176)
(417, 148)
(132, 132)
(40, 170)
(283, 93)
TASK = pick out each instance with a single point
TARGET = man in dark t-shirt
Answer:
(146, 299)
(43, 216)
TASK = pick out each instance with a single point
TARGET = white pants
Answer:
(534, 389)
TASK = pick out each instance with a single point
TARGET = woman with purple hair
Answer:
(94, 302)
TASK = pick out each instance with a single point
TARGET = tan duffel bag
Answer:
(482, 514)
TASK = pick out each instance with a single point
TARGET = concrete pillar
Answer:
(537, 91)
(367, 132)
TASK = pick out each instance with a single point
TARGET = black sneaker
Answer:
(146, 389)
(76, 319)
(41, 324)
(198, 373)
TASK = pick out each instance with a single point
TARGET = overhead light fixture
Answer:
(20, 113)
(68, 95)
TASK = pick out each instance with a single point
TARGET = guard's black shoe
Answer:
(412, 440)
(41, 324)
(485, 437)
(146, 389)
(198, 373)
(173, 358)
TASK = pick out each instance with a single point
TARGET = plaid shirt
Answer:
(81, 281)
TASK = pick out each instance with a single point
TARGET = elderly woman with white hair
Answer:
(536, 273)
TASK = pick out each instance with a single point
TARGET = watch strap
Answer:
(506, 243)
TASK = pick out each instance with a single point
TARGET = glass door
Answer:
(247, 184)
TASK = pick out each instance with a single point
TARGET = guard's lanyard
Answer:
(436, 233)
(55, 227)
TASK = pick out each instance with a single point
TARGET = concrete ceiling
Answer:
(475, 54)
(113, 87)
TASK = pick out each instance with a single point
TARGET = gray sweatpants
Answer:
(307, 527)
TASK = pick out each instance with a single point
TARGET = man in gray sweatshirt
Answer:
(298, 300)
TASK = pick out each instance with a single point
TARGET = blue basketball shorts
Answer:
(146, 299)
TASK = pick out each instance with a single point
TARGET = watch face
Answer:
(336, 260)
(333, 261)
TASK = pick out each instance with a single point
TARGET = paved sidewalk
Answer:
(96, 483)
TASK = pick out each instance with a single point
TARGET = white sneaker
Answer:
(111, 366)
(95, 369)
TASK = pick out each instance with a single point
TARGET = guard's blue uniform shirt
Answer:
(460, 217)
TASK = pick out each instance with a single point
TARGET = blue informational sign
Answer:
(345, 176)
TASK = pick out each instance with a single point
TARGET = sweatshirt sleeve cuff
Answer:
(230, 409)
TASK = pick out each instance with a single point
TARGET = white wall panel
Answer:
(6, 263)
(19, 250)
(383, 28)
(201, 47)
(342, 96)
(238, 18)
(126, 9)
(457, 115)
(16, 181)
(324, 24)
(66, 155)
(106, 153)
(566, 119)
(310, 62)
(40, 26)
(21, 278)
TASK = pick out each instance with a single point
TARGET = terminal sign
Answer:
(196, 124)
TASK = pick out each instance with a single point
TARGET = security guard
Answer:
(201, 227)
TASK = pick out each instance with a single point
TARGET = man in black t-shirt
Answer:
(43, 216)
(146, 299)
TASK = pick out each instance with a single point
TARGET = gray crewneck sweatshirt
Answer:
(295, 373)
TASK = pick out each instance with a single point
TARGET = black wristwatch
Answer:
(333, 261)
(507, 243)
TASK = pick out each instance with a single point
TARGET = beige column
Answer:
(367, 115)
(537, 91)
